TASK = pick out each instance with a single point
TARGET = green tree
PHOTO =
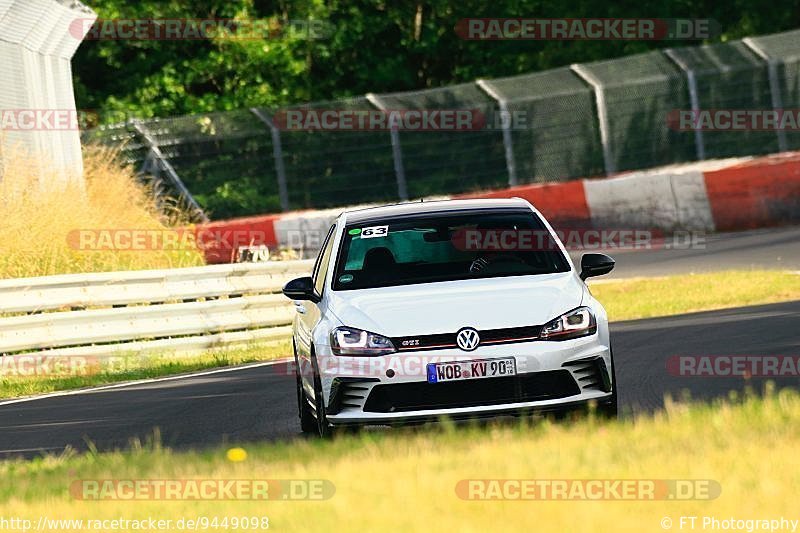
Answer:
(373, 46)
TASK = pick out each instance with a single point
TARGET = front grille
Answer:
(448, 340)
(534, 386)
(591, 374)
(348, 392)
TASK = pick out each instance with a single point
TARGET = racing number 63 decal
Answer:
(374, 231)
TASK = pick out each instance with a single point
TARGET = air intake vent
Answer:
(591, 374)
(349, 393)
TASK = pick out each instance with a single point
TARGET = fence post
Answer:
(694, 100)
(774, 86)
(505, 116)
(397, 152)
(602, 114)
(157, 158)
(277, 152)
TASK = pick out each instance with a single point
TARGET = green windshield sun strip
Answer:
(412, 251)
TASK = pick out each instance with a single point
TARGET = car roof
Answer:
(367, 214)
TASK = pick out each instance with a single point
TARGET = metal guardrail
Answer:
(151, 310)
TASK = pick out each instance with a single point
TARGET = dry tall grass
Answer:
(38, 215)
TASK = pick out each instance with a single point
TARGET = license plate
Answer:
(478, 369)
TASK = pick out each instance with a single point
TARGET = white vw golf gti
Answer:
(460, 308)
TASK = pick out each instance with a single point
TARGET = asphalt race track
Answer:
(258, 403)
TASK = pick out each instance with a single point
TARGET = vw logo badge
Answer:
(467, 339)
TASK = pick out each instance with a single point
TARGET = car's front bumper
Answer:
(550, 376)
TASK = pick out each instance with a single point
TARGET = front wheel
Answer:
(610, 408)
(305, 408)
(308, 423)
(323, 428)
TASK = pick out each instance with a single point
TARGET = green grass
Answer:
(133, 367)
(397, 480)
(650, 297)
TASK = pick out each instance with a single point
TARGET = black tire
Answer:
(308, 423)
(323, 427)
(610, 408)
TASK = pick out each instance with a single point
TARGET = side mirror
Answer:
(300, 289)
(595, 265)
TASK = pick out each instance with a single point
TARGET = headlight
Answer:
(351, 341)
(579, 322)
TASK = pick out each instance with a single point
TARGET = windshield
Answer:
(430, 248)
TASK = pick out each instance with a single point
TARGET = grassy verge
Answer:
(116, 369)
(402, 480)
(672, 295)
(40, 215)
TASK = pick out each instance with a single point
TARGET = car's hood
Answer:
(449, 306)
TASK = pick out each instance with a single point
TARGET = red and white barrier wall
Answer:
(722, 195)
(756, 193)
